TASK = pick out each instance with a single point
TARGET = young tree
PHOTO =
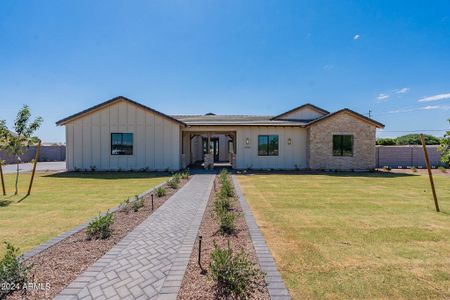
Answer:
(4, 135)
(22, 137)
(444, 148)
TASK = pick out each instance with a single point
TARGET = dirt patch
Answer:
(60, 264)
(196, 284)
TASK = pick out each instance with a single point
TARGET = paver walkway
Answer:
(138, 266)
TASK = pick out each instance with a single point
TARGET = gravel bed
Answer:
(196, 284)
(60, 264)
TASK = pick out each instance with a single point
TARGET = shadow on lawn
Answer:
(4, 203)
(109, 175)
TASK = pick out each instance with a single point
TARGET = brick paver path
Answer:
(150, 261)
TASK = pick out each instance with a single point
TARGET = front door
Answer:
(213, 147)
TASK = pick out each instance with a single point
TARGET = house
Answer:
(121, 134)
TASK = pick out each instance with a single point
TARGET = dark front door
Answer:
(213, 147)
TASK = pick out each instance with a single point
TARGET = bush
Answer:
(234, 275)
(185, 174)
(160, 191)
(386, 141)
(221, 204)
(125, 206)
(100, 227)
(176, 177)
(227, 221)
(137, 203)
(443, 169)
(414, 169)
(173, 184)
(13, 272)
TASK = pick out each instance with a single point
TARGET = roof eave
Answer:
(108, 102)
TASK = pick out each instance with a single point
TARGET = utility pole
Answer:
(370, 113)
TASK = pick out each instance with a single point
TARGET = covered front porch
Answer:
(208, 149)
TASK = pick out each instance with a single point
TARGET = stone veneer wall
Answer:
(320, 138)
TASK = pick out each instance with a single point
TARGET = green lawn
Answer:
(61, 201)
(360, 236)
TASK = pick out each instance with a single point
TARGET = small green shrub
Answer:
(442, 169)
(227, 222)
(414, 169)
(387, 168)
(160, 191)
(221, 204)
(176, 177)
(137, 203)
(124, 206)
(185, 174)
(13, 272)
(234, 275)
(172, 183)
(100, 227)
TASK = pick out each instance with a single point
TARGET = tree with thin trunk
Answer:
(4, 135)
(22, 137)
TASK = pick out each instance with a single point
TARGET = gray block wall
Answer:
(406, 156)
(48, 153)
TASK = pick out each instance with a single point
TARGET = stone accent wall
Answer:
(320, 140)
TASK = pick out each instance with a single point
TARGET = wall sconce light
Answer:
(247, 141)
(289, 141)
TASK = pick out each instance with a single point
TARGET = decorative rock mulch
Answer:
(60, 264)
(196, 284)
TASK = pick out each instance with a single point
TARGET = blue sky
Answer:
(228, 57)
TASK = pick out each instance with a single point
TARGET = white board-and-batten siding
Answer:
(156, 139)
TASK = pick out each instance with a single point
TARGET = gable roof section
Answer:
(112, 101)
(354, 113)
(306, 105)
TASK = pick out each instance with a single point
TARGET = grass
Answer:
(360, 236)
(61, 201)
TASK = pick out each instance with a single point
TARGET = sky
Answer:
(391, 58)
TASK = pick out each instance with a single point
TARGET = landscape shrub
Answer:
(221, 204)
(442, 169)
(235, 275)
(124, 206)
(100, 227)
(160, 191)
(227, 222)
(137, 203)
(176, 177)
(172, 183)
(13, 272)
(185, 174)
(414, 169)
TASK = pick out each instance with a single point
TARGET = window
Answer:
(342, 145)
(121, 144)
(267, 145)
(230, 146)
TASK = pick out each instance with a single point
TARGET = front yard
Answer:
(62, 201)
(354, 235)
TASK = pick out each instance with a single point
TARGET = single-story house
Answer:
(122, 134)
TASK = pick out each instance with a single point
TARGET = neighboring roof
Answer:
(236, 120)
(364, 118)
(108, 102)
(306, 105)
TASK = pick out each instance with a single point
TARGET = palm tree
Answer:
(21, 137)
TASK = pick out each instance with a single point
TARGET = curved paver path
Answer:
(150, 261)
